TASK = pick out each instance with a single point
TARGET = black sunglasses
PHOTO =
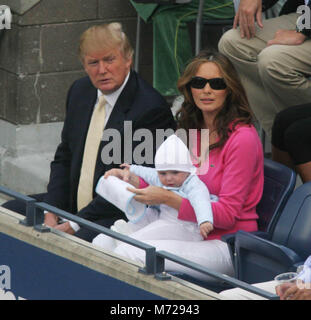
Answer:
(215, 83)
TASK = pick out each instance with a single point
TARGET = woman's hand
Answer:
(153, 195)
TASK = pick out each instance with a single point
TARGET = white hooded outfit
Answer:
(159, 222)
(160, 227)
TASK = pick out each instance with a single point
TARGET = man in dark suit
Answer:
(272, 56)
(107, 57)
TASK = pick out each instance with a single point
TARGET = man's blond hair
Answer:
(105, 37)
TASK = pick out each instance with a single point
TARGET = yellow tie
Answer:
(94, 136)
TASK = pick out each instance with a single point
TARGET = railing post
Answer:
(39, 219)
(160, 273)
(30, 213)
(150, 263)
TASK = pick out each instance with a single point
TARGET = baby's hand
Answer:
(126, 172)
(114, 172)
(205, 229)
(123, 174)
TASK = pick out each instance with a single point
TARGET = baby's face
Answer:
(172, 178)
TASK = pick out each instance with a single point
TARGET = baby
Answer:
(173, 171)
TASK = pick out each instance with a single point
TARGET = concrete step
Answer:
(27, 174)
(3, 199)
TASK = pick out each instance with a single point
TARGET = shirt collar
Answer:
(112, 98)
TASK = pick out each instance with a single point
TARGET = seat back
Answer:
(279, 183)
(259, 259)
(293, 228)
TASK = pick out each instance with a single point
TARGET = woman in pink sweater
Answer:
(214, 99)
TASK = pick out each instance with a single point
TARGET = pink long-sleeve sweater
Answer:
(235, 174)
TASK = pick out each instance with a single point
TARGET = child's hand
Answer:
(126, 172)
(205, 229)
(123, 174)
(114, 172)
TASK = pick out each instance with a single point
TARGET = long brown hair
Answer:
(235, 110)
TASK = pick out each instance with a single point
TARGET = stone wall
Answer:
(38, 63)
(38, 56)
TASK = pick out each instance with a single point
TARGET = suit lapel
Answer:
(86, 108)
(117, 118)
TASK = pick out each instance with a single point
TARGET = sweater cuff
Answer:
(142, 183)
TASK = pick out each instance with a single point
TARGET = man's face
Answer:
(107, 69)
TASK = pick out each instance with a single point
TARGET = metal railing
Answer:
(162, 255)
(29, 202)
(155, 260)
(40, 207)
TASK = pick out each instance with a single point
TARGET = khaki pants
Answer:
(275, 77)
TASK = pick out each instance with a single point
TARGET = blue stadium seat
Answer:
(261, 257)
(279, 183)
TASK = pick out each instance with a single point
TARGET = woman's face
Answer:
(209, 101)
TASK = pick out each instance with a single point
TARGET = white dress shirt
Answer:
(111, 99)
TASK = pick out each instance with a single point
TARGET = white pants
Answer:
(182, 238)
(154, 226)
(212, 254)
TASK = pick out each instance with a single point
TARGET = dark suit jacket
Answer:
(138, 102)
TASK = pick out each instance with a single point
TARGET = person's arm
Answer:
(153, 195)
(149, 175)
(58, 186)
(239, 168)
(293, 37)
(124, 174)
(59, 181)
(248, 12)
(159, 117)
(287, 37)
(199, 198)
